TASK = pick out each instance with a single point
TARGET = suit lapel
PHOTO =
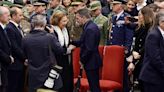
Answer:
(15, 29)
(5, 35)
(161, 37)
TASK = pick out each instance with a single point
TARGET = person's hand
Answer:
(136, 55)
(127, 21)
(70, 48)
(129, 59)
(81, 64)
(131, 68)
(12, 59)
(50, 29)
(26, 62)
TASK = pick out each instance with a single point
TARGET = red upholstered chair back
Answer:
(113, 62)
(76, 59)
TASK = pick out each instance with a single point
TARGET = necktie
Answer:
(20, 30)
(114, 19)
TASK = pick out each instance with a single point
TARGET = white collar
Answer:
(62, 36)
(2, 25)
(14, 23)
(119, 14)
(161, 30)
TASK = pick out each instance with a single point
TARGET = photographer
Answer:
(37, 46)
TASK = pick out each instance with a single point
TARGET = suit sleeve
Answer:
(90, 44)
(56, 47)
(4, 56)
(16, 50)
(152, 44)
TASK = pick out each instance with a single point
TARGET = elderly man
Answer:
(40, 48)
(5, 48)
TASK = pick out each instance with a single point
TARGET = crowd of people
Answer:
(37, 38)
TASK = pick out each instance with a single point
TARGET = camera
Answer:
(132, 19)
(53, 75)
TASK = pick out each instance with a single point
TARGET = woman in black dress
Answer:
(59, 21)
(145, 22)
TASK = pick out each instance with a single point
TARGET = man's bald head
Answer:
(4, 15)
(3, 10)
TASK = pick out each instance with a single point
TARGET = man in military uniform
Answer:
(99, 19)
(74, 29)
(121, 34)
(40, 8)
(54, 6)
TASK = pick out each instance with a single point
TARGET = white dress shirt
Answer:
(162, 31)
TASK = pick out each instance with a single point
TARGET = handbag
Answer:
(78, 83)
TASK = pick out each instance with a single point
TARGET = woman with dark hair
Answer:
(145, 22)
(59, 21)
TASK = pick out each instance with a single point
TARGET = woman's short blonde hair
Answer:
(56, 17)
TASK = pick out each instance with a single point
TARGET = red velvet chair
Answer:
(76, 65)
(112, 70)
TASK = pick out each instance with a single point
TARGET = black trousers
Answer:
(15, 81)
(153, 87)
(3, 89)
(93, 79)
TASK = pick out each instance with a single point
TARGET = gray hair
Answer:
(3, 10)
(159, 16)
(39, 20)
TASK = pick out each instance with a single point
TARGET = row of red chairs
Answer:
(111, 74)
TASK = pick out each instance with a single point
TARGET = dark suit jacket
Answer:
(16, 44)
(36, 46)
(4, 55)
(89, 42)
(153, 65)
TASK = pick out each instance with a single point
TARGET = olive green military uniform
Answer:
(100, 21)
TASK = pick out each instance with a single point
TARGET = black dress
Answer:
(67, 73)
(139, 45)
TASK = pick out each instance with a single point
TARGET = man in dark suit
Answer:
(152, 73)
(15, 34)
(89, 54)
(5, 54)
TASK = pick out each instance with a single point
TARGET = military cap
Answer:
(118, 2)
(94, 5)
(77, 2)
(6, 3)
(40, 2)
(17, 5)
